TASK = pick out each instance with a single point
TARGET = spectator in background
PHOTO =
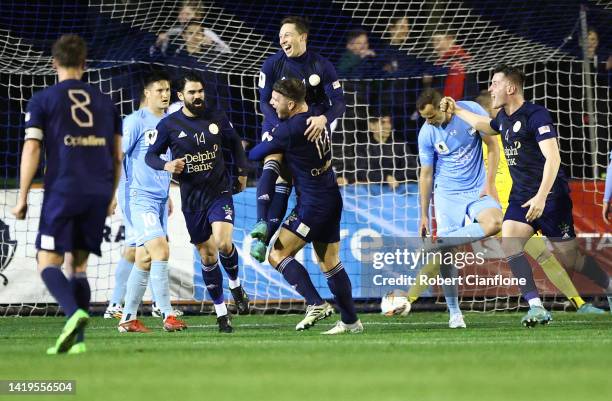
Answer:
(399, 29)
(189, 14)
(196, 40)
(357, 53)
(454, 58)
(382, 157)
(601, 58)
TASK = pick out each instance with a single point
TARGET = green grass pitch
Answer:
(416, 358)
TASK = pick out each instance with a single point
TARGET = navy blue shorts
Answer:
(69, 222)
(199, 223)
(556, 222)
(315, 224)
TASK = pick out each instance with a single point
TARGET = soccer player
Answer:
(196, 134)
(608, 193)
(462, 187)
(316, 218)
(535, 247)
(325, 99)
(539, 198)
(146, 208)
(81, 131)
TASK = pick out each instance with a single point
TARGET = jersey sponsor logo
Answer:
(213, 128)
(516, 127)
(441, 148)
(47, 242)
(201, 161)
(182, 134)
(511, 152)
(262, 79)
(28, 115)
(150, 136)
(91, 140)
(336, 84)
(544, 129)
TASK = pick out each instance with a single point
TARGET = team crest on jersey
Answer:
(453, 132)
(228, 212)
(472, 131)
(213, 129)
(516, 127)
(442, 148)
(314, 80)
(150, 136)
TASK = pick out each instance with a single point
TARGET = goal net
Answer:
(375, 142)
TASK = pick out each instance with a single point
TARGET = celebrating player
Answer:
(196, 135)
(316, 218)
(325, 99)
(146, 208)
(539, 198)
(460, 185)
(81, 131)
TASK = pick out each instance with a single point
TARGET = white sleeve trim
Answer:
(34, 133)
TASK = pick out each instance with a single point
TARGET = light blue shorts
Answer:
(130, 235)
(148, 217)
(451, 209)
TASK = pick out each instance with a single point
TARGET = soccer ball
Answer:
(392, 304)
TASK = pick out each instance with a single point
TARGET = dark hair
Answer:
(513, 74)
(428, 96)
(354, 34)
(484, 99)
(188, 77)
(301, 25)
(291, 88)
(70, 51)
(156, 76)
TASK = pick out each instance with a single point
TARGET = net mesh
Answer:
(375, 142)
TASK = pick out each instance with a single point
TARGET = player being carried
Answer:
(316, 217)
(196, 135)
(81, 131)
(145, 208)
(325, 100)
(539, 198)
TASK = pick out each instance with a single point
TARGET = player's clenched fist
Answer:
(447, 105)
(175, 166)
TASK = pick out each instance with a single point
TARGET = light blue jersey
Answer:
(459, 166)
(141, 180)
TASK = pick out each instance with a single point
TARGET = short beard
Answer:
(195, 110)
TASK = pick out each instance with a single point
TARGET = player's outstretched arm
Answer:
(265, 93)
(607, 194)
(477, 121)
(30, 157)
(550, 150)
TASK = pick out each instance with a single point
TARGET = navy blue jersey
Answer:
(77, 124)
(323, 90)
(200, 140)
(309, 162)
(521, 132)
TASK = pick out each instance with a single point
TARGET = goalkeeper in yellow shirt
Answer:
(535, 247)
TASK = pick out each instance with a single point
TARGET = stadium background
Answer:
(539, 36)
